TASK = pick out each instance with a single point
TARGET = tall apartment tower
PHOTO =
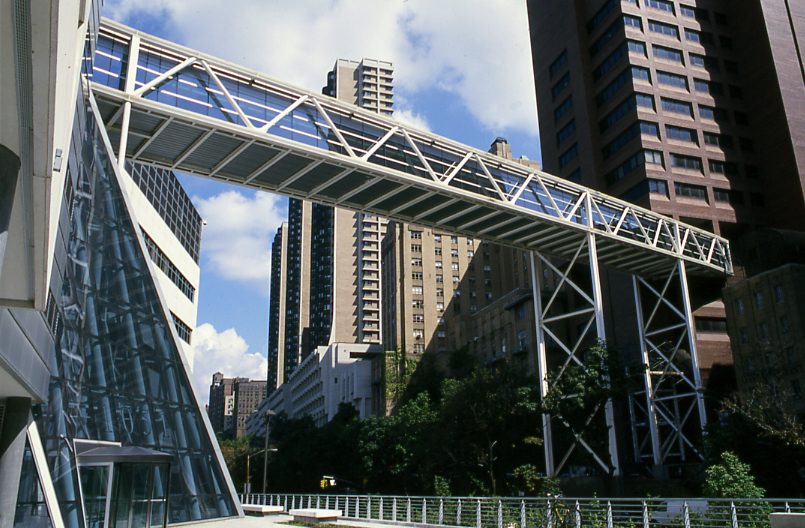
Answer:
(689, 108)
(325, 288)
(277, 303)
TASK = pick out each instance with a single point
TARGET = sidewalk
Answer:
(280, 521)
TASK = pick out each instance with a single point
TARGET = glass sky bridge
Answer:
(170, 106)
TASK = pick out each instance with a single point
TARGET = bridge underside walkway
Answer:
(173, 107)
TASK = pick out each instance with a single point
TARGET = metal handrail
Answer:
(542, 512)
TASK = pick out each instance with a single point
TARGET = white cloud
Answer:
(224, 352)
(236, 240)
(478, 50)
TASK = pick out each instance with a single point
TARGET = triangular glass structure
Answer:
(117, 373)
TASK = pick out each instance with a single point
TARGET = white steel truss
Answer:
(591, 316)
(180, 109)
(177, 108)
(671, 409)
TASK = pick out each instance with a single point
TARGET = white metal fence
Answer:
(512, 512)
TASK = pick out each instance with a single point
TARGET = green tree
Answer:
(578, 394)
(490, 421)
(730, 479)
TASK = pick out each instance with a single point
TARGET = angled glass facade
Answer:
(117, 374)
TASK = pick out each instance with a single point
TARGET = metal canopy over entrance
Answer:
(173, 107)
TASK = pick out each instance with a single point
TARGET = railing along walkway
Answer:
(530, 512)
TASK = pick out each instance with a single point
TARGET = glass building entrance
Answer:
(124, 487)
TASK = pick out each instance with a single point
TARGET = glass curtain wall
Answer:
(117, 374)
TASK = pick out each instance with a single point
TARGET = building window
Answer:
(416, 290)
(487, 268)
(785, 327)
(779, 295)
(713, 88)
(441, 334)
(671, 79)
(453, 240)
(600, 16)
(728, 196)
(416, 235)
(723, 167)
(416, 275)
(716, 114)
(662, 5)
(791, 356)
(416, 248)
(690, 191)
(702, 61)
(439, 278)
(454, 252)
(568, 155)
(437, 238)
(521, 339)
(677, 107)
(566, 105)
(557, 64)
(439, 292)
(764, 331)
(664, 29)
(419, 348)
(681, 134)
(718, 140)
(454, 266)
(669, 54)
(438, 264)
(744, 336)
(416, 262)
(622, 79)
(686, 162)
(439, 306)
(759, 300)
(739, 306)
(565, 132)
(418, 303)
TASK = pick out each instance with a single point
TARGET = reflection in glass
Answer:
(94, 484)
(32, 512)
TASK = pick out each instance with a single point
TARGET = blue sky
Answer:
(462, 70)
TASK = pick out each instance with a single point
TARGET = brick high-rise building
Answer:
(694, 109)
(248, 395)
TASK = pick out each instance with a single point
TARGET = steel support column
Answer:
(542, 365)
(673, 387)
(595, 316)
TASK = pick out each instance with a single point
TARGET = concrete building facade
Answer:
(339, 373)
